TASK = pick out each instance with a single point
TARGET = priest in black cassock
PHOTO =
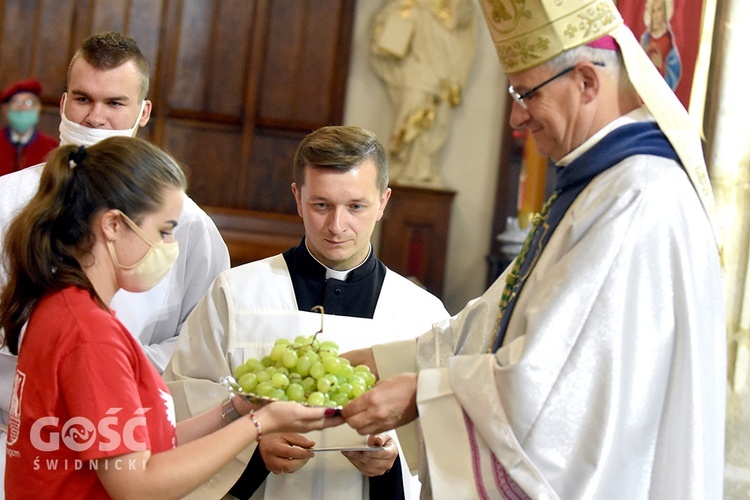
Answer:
(341, 189)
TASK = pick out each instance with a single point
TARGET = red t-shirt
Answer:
(83, 390)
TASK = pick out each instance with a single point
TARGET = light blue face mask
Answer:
(22, 120)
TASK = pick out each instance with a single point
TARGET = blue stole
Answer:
(642, 138)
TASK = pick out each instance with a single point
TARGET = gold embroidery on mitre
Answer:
(592, 21)
(523, 52)
(530, 32)
(506, 14)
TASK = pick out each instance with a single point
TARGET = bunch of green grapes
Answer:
(306, 371)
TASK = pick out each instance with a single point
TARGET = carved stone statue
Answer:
(423, 51)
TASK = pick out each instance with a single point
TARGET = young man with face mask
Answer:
(21, 144)
(108, 80)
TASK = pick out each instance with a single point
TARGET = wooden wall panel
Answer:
(231, 49)
(50, 62)
(301, 64)
(112, 14)
(193, 51)
(270, 178)
(211, 155)
(16, 53)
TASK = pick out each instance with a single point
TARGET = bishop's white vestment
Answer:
(610, 382)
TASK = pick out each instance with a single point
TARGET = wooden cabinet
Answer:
(414, 234)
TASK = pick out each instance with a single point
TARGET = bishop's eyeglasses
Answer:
(519, 98)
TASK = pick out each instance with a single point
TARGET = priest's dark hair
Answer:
(342, 147)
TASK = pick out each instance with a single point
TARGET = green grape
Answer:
(277, 351)
(327, 354)
(278, 394)
(340, 399)
(358, 386)
(324, 385)
(295, 392)
(316, 399)
(248, 381)
(281, 342)
(266, 361)
(317, 370)
(362, 368)
(370, 380)
(309, 384)
(264, 376)
(240, 371)
(264, 388)
(333, 379)
(304, 363)
(314, 357)
(345, 370)
(331, 364)
(289, 358)
(329, 345)
(281, 369)
(345, 389)
(280, 380)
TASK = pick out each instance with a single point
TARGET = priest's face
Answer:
(339, 210)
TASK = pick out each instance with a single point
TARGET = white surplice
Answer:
(246, 310)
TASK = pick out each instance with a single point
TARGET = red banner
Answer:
(670, 39)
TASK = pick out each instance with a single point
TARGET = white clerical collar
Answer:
(637, 115)
(336, 274)
(17, 138)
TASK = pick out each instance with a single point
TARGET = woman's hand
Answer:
(293, 417)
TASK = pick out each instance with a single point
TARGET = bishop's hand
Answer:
(390, 404)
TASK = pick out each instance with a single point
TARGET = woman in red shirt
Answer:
(89, 416)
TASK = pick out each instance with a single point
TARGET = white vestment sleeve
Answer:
(192, 375)
(391, 359)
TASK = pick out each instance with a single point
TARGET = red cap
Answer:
(32, 86)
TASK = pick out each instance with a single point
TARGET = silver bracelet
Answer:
(228, 412)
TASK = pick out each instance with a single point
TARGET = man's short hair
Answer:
(340, 148)
(110, 50)
(611, 59)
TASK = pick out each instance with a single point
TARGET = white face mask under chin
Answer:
(74, 133)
